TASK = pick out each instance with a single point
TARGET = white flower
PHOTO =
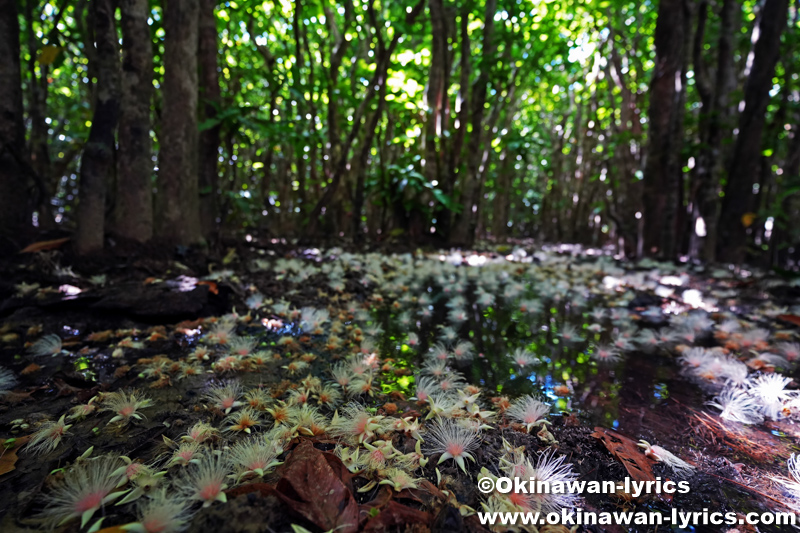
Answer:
(737, 406)
(792, 484)
(7, 380)
(451, 440)
(529, 411)
(770, 392)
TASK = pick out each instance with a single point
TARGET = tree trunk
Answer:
(673, 229)
(464, 230)
(445, 216)
(361, 165)
(13, 185)
(299, 110)
(38, 144)
(210, 99)
(97, 162)
(339, 49)
(505, 105)
(626, 200)
(438, 83)
(743, 167)
(134, 206)
(709, 162)
(178, 215)
(788, 227)
(502, 200)
(665, 95)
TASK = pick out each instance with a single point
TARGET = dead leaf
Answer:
(44, 245)
(17, 397)
(100, 336)
(626, 450)
(314, 490)
(792, 319)
(9, 458)
(30, 369)
(383, 497)
(212, 287)
(64, 388)
(264, 489)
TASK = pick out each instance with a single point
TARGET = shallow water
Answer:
(607, 394)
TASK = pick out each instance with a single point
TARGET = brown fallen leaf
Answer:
(315, 491)
(212, 287)
(264, 489)
(187, 325)
(30, 369)
(427, 494)
(17, 397)
(100, 336)
(792, 319)
(8, 459)
(44, 245)
(64, 388)
(627, 451)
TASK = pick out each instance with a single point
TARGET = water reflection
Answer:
(563, 337)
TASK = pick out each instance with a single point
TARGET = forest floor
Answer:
(336, 363)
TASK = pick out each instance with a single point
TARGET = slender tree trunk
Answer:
(715, 119)
(626, 200)
(38, 145)
(97, 162)
(743, 167)
(299, 110)
(462, 109)
(437, 93)
(210, 99)
(178, 215)
(464, 230)
(770, 183)
(673, 229)
(788, 228)
(665, 96)
(361, 165)
(14, 220)
(134, 206)
(502, 199)
(339, 49)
